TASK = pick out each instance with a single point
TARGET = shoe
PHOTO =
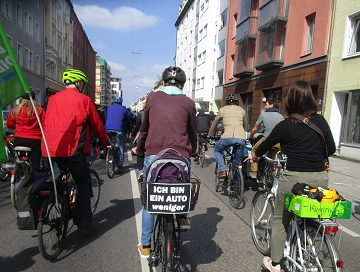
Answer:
(268, 265)
(253, 175)
(144, 251)
(140, 177)
(184, 223)
(119, 166)
(222, 174)
(88, 228)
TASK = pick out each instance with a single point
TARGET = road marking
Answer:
(340, 183)
(350, 232)
(137, 207)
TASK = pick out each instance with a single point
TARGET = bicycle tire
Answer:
(202, 156)
(217, 180)
(261, 230)
(3, 174)
(110, 163)
(51, 229)
(169, 247)
(327, 257)
(94, 190)
(236, 185)
(13, 181)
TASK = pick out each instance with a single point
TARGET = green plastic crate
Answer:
(311, 208)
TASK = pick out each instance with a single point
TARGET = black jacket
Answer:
(203, 122)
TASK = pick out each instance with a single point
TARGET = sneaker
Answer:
(268, 265)
(140, 177)
(144, 251)
(222, 174)
(184, 223)
(88, 228)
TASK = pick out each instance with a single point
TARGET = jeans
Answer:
(77, 165)
(224, 144)
(148, 218)
(120, 147)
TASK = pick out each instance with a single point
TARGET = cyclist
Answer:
(27, 130)
(203, 126)
(174, 129)
(117, 120)
(305, 150)
(268, 120)
(69, 119)
(233, 119)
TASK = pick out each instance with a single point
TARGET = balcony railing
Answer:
(244, 58)
(247, 29)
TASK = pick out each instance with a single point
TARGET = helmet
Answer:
(232, 98)
(73, 76)
(174, 74)
(117, 99)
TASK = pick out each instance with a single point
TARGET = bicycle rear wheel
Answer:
(94, 190)
(326, 257)
(217, 180)
(52, 228)
(110, 163)
(263, 207)
(236, 186)
(169, 247)
(202, 156)
(14, 179)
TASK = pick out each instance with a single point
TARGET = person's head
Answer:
(232, 99)
(174, 76)
(25, 102)
(117, 99)
(27, 96)
(201, 112)
(271, 103)
(300, 99)
(73, 77)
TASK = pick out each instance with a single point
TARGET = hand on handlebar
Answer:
(252, 157)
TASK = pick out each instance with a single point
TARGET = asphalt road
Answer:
(219, 240)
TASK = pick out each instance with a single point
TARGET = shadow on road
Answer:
(19, 262)
(198, 246)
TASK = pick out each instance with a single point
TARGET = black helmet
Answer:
(175, 74)
(232, 98)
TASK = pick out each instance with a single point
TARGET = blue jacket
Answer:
(117, 118)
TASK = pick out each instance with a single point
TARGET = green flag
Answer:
(12, 82)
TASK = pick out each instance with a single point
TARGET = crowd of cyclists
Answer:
(71, 117)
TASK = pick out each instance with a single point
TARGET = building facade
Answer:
(342, 103)
(23, 22)
(115, 83)
(103, 93)
(275, 43)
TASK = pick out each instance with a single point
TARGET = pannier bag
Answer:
(26, 196)
(168, 166)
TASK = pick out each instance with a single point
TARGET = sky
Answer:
(119, 28)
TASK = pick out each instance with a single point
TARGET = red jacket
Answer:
(70, 118)
(24, 126)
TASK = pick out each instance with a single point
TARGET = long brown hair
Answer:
(300, 99)
(24, 103)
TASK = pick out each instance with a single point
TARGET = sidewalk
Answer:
(344, 165)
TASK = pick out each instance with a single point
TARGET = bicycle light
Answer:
(339, 263)
(331, 229)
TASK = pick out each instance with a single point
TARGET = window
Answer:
(199, 59)
(200, 34)
(198, 84)
(5, 6)
(18, 15)
(352, 131)
(196, 40)
(202, 82)
(20, 53)
(37, 64)
(220, 75)
(26, 19)
(31, 60)
(204, 56)
(223, 18)
(26, 58)
(310, 34)
(354, 35)
(37, 32)
(195, 62)
(205, 31)
(222, 48)
(31, 28)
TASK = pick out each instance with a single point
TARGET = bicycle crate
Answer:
(306, 207)
(171, 198)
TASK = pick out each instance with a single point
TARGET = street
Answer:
(219, 239)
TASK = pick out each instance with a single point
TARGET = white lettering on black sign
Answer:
(168, 197)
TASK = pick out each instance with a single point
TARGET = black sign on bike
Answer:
(168, 198)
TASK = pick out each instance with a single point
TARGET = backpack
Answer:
(168, 166)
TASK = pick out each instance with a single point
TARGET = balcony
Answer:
(272, 11)
(247, 29)
(244, 58)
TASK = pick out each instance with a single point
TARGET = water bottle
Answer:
(73, 199)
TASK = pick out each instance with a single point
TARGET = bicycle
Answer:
(309, 245)
(234, 178)
(262, 207)
(111, 155)
(58, 206)
(202, 148)
(166, 240)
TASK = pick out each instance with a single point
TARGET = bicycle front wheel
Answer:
(314, 258)
(236, 186)
(202, 156)
(261, 217)
(217, 180)
(52, 228)
(110, 163)
(94, 190)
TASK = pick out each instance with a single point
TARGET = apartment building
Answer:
(24, 27)
(342, 103)
(115, 83)
(200, 50)
(273, 43)
(103, 92)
